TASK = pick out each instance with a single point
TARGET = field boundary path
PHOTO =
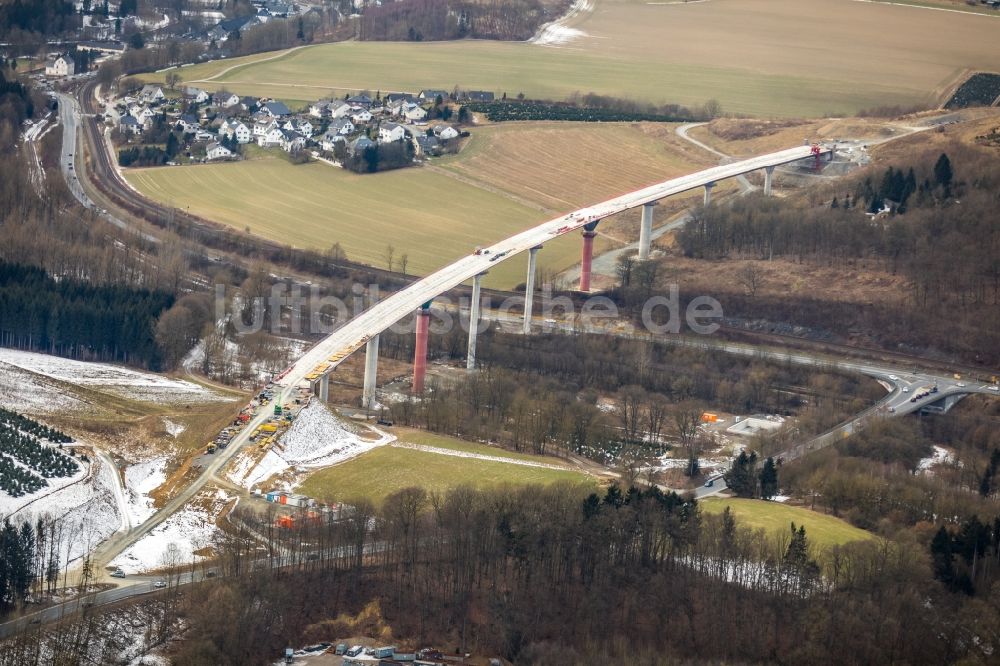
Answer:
(276, 56)
(476, 456)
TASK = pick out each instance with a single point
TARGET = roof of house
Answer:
(129, 120)
(434, 94)
(215, 146)
(360, 99)
(278, 109)
(391, 126)
(188, 118)
(362, 142)
(291, 135)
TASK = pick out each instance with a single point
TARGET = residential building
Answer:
(62, 65)
(196, 95)
(389, 132)
(216, 151)
(445, 132)
(361, 116)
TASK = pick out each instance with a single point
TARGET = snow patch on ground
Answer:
(558, 33)
(315, 439)
(120, 380)
(477, 456)
(940, 456)
(87, 511)
(28, 393)
(140, 480)
(780, 498)
(190, 529)
(173, 429)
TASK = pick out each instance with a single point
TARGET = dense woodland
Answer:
(432, 20)
(564, 575)
(72, 318)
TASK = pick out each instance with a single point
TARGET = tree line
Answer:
(435, 20)
(79, 320)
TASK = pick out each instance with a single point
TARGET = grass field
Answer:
(385, 470)
(506, 179)
(316, 205)
(773, 517)
(761, 57)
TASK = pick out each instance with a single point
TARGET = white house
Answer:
(226, 100)
(275, 109)
(189, 123)
(339, 109)
(143, 114)
(151, 94)
(60, 66)
(233, 128)
(303, 127)
(320, 109)
(216, 151)
(341, 126)
(273, 137)
(414, 113)
(196, 95)
(445, 132)
(260, 128)
(361, 116)
(130, 125)
(329, 141)
(292, 142)
(389, 132)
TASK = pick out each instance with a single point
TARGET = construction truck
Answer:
(210, 448)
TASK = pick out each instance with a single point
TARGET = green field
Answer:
(432, 218)
(760, 57)
(390, 468)
(774, 517)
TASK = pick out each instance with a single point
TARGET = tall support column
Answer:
(646, 231)
(420, 348)
(708, 192)
(371, 372)
(324, 388)
(470, 358)
(529, 289)
(588, 254)
(768, 175)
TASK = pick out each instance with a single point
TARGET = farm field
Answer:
(507, 178)
(773, 517)
(788, 58)
(387, 469)
(434, 220)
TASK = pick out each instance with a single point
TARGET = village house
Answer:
(329, 141)
(341, 126)
(432, 95)
(189, 123)
(303, 127)
(339, 109)
(320, 109)
(275, 109)
(389, 132)
(272, 138)
(62, 65)
(129, 125)
(226, 100)
(361, 101)
(444, 132)
(216, 151)
(291, 141)
(360, 144)
(361, 116)
(414, 113)
(196, 95)
(151, 94)
(234, 129)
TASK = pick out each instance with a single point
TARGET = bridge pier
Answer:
(588, 254)
(529, 289)
(371, 372)
(420, 348)
(470, 357)
(768, 174)
(708, 193)
(646, 231)
(324, 387)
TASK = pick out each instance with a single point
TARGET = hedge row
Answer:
(501, 111)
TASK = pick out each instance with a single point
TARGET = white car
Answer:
(160, 584)
(993, 387)
(959, 384)
(906, 389)
(894, 378)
